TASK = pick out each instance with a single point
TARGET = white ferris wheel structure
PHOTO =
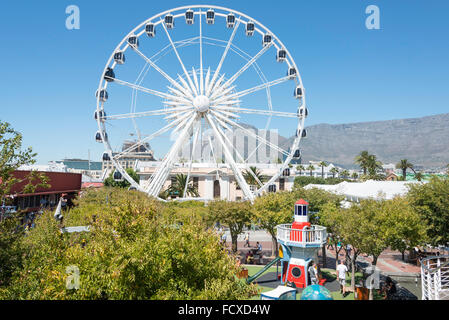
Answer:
(192, 93)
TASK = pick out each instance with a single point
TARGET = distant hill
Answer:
(422, 141)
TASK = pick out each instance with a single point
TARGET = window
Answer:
(296, 272)
(195, 182)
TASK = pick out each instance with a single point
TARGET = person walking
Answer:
(246, 240)
(341, 273)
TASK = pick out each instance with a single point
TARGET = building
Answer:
(88, 168)
(66, 183)
(216, 181)
(142, 153)
(370, 189)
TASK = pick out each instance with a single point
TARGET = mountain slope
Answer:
(423, 141)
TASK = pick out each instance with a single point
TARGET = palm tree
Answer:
(334, 171)
(300, 168)
(345, 173)
(419, 176)
(310, 168)
(322, 165)
(253, 176)
(404, 165)
(354, 175)
(363, 160)
(373, 165)
(179, 185)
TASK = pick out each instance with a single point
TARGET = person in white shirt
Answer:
(341, 273)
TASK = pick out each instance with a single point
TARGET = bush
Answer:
(136, 249)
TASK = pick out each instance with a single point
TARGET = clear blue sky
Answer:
(49, 74)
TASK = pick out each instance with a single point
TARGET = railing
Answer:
(435, 278)
(311, 236)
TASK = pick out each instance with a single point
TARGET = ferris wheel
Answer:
(197, 69)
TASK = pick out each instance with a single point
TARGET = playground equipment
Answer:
(299, 245)
(316, 292)
(435, 278)
(280, 293)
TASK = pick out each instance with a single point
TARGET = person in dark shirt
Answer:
(389, 289)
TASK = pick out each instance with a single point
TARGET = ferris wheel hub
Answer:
(201, 103)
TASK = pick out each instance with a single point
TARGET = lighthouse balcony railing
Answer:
(309, 237)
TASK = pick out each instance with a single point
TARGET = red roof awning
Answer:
(302, 201)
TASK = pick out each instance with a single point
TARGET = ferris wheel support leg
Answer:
(159, 179)
(238, 175)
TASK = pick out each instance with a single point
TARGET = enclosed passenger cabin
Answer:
(119, 57)
(98, 136)
(267, 38)
(303, 112)
(298, 92)
(106, 157)
(304, 133)
(286, 172)
(250, 27)
(131, 188)
(117, 176)
(100, 115)
(169, 21)
(133, 41)
(281, 55)
(230, 21)
(291, 72)
(272, 188)
(297, 154)
(109, 75)
(103, 95)
(210, 16)
(150, 29)
(189, 17)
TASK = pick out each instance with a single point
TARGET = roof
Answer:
(302, 201)
(276, 293)
(366, 190)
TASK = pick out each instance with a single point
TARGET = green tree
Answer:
(322, 164)
(180, 185)
(431, 201)
(334, 171)
(11, 158)
(253, 176)
(345, 174)
(406, 228)
(404, 165)
(363, 161)
(110, 182)
(233, 215)
(273, 209)
(134, 250)
(354, 175)
(419, 176)
(310, 167)
(300, 168)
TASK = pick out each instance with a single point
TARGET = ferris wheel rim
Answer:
(290, 61)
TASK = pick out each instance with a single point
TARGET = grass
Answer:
(329, 274)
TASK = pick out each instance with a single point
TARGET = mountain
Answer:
(423, 141)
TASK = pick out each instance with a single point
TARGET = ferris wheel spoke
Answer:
(247, 65)
(154, 135)
(252, 90)
(195, 79)
(140, 88)
(238, 154)
(192, 86)
(163, 73)
(201, 53)
(238, 174)
(162, 173)
(195, 141)
(160, 112)
(254, 135)
(256, 111)
(225, 53)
